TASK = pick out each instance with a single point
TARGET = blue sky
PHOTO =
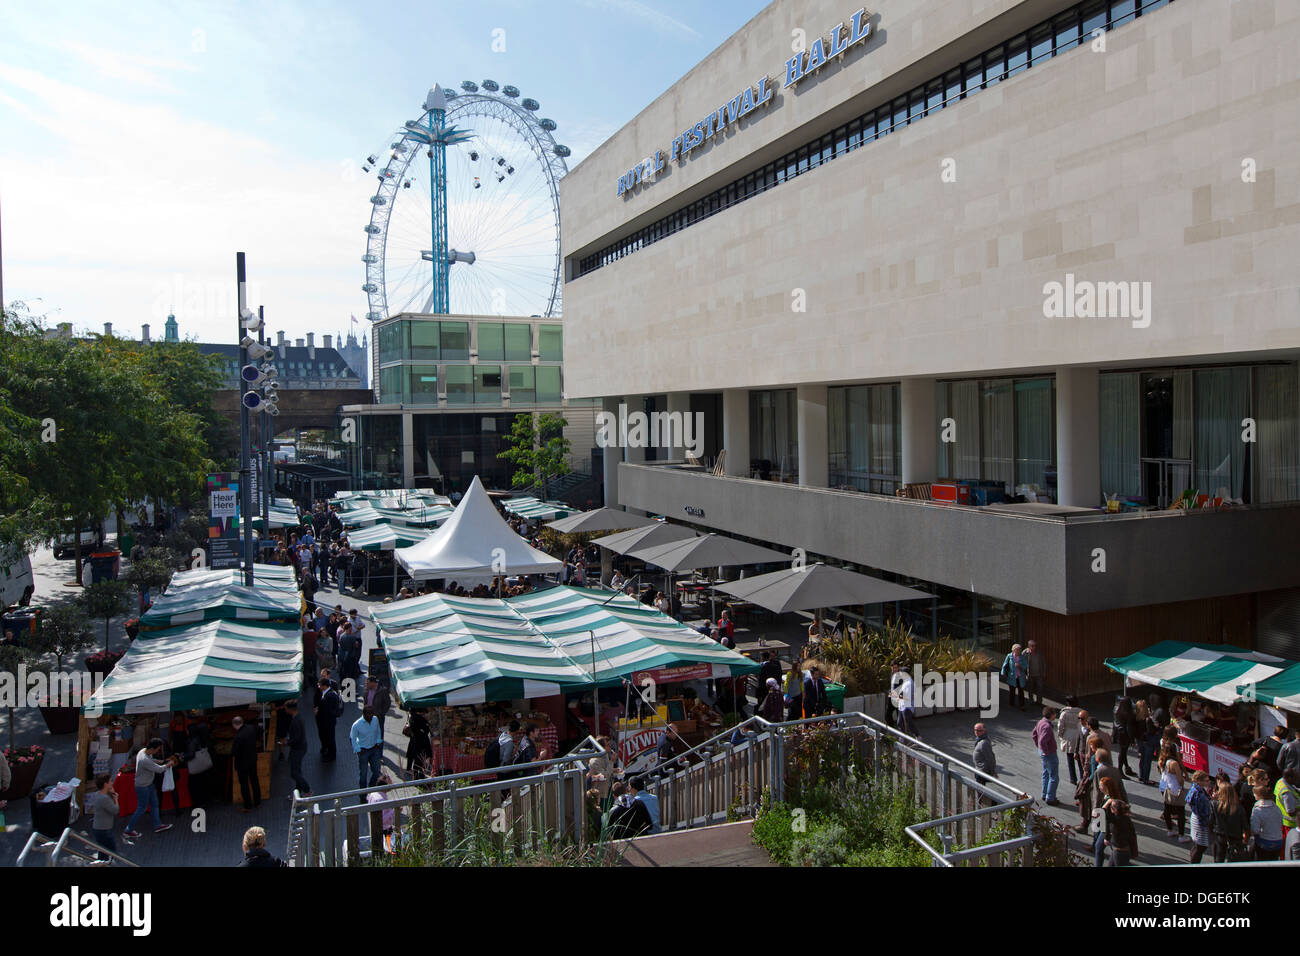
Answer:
(142, 145)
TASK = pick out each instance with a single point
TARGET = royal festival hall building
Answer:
(972, 293)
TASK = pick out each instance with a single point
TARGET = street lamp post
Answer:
(245, 452)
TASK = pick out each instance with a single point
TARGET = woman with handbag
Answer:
(1069, 736)
(1229, 825)
(1015, 671)
(1173, 781)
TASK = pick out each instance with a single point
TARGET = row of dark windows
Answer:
(1060, 34)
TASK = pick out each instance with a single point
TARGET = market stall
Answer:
(278, 517)
(538, 651)
(219, 600)
(171, 681)
(274, 576)
(1214, 697)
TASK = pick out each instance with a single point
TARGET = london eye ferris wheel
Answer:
(467, 216)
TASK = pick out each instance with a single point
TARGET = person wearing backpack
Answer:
(329, 709)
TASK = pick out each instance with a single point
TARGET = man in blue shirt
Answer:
(650, 800)
(368, 745)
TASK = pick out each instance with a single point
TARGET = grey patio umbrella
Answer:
(814, 587)
(660, 532)
(705, 551)
(601, 519)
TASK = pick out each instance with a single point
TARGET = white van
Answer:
(15, 577)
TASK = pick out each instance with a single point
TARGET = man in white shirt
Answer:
(901, 692)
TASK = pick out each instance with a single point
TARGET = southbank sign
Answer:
(804, 63)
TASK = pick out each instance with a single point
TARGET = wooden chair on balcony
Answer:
(915, 491)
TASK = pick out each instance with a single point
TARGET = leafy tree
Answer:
(64, 631)
(151, 571)
(538, 450)
(12, 657)
(107, 599)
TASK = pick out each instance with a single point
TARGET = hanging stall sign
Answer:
(223, 520)
(672, 675)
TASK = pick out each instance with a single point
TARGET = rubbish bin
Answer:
(126, 542)
(835, 694)
(22, 622)
(103, 566)
(50, 818)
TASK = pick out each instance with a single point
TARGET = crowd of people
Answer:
(1250, 817)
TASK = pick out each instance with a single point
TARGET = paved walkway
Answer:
(213, 838)
(1019, 766)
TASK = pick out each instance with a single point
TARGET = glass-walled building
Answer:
(448, 388)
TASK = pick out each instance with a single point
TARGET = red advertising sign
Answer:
(674, 675)
(1195, 754)
(636, 747)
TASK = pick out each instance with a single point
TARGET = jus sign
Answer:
(823, 50)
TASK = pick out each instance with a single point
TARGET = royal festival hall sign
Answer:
(803, 64)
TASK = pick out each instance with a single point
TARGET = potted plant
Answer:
(106, 599)
(101, 662)
(64, 632)
(25, 764)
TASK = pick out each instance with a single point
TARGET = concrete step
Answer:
(726, 844)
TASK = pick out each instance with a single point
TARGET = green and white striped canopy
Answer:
(221, 601)
(420, 517)
(1213, 671)
(279, 518)
(362, 517)
(1282, 689)
(277, 577)
(217, 664)
(385, 537)
(460, 650)
(471, 651)
(629, 636)
(533, 509)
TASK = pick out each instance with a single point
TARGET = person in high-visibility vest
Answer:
(1287, 797)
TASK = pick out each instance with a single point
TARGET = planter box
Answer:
(61, 720)
(24, 779)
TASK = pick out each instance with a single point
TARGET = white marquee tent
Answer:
(474, 544)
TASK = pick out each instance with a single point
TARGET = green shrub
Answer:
(774, 830)
(863, 656)
(822, 846)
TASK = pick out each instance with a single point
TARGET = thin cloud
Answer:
(656, 20)
(142, 71)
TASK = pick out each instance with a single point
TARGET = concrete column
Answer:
(635, 404)
(613, 454)
(1078, 437)
(917, 427)
(814, 464)
(735, 431)
(679, 410)
(408, 450)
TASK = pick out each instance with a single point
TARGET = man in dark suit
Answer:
(815, 702)
(243, 755)
(328, 707)
(297, 741)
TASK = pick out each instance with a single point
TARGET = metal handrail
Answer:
(57, 849)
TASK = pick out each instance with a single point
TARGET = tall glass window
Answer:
(422, 388)
(390, 385)
(550, 345)
(424, 341)
(863, 437)
(518, 342)
(487, 384)
(491, 344)
(1121, 409)
(774, 432)
(1222, 400)
(455, 341)
(1035, 414)
(523, 385)
(459, 380)
(548, 385)
(1277, 442)
(997, 432)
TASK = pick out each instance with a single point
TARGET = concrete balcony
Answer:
(1053, 562)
